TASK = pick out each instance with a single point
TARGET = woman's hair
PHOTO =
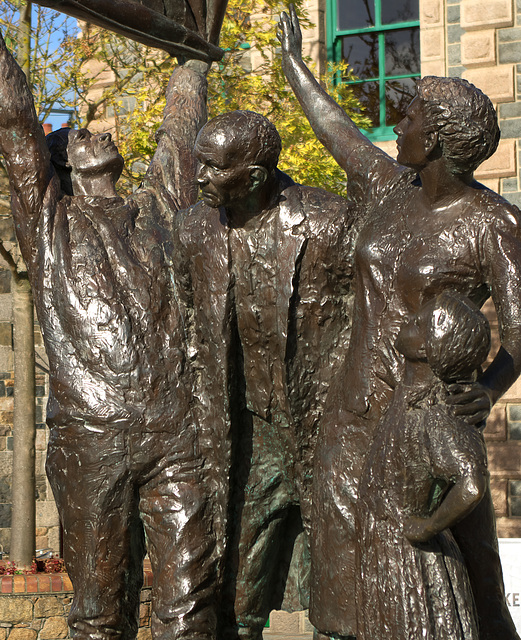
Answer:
(457, 338)
(464, 119)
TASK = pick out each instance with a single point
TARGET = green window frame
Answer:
(335, 39)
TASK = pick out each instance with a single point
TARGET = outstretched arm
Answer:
(174, 163)
(333, 127)
(22, 144)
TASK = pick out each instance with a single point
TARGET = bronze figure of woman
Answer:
(430, 226)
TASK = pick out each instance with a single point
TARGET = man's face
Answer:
(411, 141)
(88, 153)
(224, 172)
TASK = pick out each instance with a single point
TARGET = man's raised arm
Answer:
(174, 163)
(22, 144)
(333, 127)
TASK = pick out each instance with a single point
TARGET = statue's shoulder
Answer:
(496, 210)
(314, 198)
(199, 222)
(324, 212)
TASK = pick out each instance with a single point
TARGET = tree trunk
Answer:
(24, 46)
(23, 525)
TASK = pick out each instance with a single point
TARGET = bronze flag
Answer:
(188, 28)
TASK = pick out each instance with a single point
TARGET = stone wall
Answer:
(35, 607)
(484, 47)
(503, 438)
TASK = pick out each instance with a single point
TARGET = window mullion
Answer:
(331, 30)
(396, 26)
(381, 74)
(377, 14)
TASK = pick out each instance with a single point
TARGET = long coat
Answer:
(315, 233)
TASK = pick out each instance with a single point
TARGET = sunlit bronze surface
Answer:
(124, 455)
(429, 228)
(182, 27)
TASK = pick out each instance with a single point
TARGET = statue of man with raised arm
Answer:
(124, 454)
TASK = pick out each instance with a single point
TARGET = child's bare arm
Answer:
(461, 498)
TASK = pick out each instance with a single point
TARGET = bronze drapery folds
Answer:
(187, 28)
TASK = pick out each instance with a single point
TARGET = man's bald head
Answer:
(246, 136)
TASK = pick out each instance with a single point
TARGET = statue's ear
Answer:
(258, 176)
(431, 142)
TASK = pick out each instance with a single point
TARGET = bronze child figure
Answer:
(425, 471)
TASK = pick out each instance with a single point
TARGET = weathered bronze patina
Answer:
(189, 28)
(430, 227)
(124, 453)
(265, 269)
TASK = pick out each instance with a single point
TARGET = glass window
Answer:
(355, 14)
(404, 11)
(362, 53)
(381, 41)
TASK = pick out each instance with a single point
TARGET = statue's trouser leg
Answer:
(98, 480)
(339, 456)
(103, 534)
(266, 529)
(477, 538)
(177, 515)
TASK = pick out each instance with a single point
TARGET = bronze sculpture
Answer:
(124, 449)
(188, 28)
(191, 352)
(264, 270)
(426, 470)
(429, 227)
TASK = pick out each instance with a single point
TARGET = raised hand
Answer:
(289, 34)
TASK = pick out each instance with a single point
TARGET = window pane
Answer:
(355, 14)
(402, 52)
(398, 95)
(369, 95)
(399, 11)
(362, 54)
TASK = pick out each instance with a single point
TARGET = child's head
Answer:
(451, 333)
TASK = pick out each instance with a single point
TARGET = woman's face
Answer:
(412, 142)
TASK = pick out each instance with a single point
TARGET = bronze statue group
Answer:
(281, 388)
